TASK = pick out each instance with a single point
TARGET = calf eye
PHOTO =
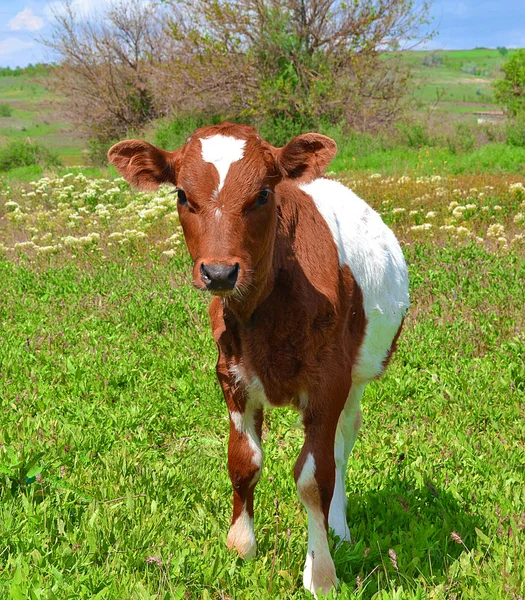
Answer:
(181, 196)
(262, 198)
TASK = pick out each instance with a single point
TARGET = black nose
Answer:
(219, 277)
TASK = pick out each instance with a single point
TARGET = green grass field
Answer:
(113, 431)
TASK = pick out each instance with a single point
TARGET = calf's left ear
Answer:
(306, 157)
(145, 166)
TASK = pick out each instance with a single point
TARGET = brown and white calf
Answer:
(310, 291)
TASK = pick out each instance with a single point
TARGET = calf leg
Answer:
(315, 479)
(346, 434)
(244, 465)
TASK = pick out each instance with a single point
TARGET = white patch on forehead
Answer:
(221, 151)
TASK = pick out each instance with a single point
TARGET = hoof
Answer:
(320, 576)
(241, 537)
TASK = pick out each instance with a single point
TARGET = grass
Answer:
(113, 475)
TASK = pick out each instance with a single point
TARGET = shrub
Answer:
(23, 153)
(461, 140)
(415, 135)
(5, 110)
(470, 68)
(510, 91)
(172, 134)
(515, 131)
(433, 60)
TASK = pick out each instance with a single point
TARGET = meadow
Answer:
(113, 430)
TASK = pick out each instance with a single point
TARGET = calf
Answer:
(310, 290)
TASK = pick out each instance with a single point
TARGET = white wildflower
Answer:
(423, 227)
(463, 231)
(495, 230)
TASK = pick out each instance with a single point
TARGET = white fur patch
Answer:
(319, 569)
(245, 423)
(347, 429)
(374, 256)
(241, 536)
(252, 385)
(221, 151)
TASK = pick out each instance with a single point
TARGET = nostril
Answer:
(205, 274)
(233, 274)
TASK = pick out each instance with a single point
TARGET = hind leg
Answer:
(346, 434)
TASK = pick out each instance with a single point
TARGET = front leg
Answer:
(244, 448)
(244, 466)
(315, 477)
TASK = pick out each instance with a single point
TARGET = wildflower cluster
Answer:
(484, 209)
(72, 214)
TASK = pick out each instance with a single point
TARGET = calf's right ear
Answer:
(143, 165)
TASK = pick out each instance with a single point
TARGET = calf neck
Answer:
(310, 290)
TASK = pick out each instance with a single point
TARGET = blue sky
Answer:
(462, 24)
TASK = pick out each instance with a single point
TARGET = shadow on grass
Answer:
(402, 538)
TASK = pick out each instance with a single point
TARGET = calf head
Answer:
(226, 177)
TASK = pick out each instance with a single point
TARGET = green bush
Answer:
(172, 134)
(278, 131)
(510, 91)
(24, 153)
(5, 110)
(515, 131)
(470, 68)
(415, 135)
(461, 140)
(98, 151)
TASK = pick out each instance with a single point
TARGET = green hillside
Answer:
(35, 113)
(458, 81)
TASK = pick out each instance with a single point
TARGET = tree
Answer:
(106, 67)
(302, 59)
(510, 91)
(287, 63)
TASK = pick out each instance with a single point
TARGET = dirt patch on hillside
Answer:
(474, 80)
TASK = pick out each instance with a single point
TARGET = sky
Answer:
(461, 25)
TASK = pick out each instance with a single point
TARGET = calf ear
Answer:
(145, 166)
(306, 157)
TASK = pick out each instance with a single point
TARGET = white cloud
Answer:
(13, 45)
(26, 20)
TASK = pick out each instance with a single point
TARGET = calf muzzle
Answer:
(219, 278)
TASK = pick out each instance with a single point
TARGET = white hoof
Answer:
(319, 575)
(241, 537)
